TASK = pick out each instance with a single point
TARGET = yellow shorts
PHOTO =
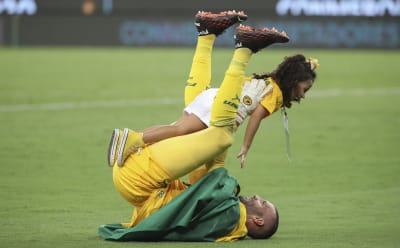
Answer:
(140, 177)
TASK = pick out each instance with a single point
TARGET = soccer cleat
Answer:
(210, 23)
(112, 148)
(131, 141)
(256, 39)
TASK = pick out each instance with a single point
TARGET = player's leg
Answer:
(209, 26)
(181, 155)
(119, 138)
(187, 123)
(200, 71)
(246, 37)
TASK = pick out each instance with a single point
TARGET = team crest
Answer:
(247, 100)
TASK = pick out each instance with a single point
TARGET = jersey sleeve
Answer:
(274, 99)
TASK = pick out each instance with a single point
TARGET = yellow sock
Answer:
(227, 99)
(200, 72)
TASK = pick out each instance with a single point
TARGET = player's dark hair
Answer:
(289, 73)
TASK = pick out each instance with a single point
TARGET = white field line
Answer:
(94, 104)
(175, 101)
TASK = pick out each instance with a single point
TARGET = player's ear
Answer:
(258, 220)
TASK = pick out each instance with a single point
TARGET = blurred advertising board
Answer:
(309, 23)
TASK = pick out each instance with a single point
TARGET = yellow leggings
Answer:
(200, 72)
(181, 155)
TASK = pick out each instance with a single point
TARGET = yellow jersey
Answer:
(148, 187)
(273, 100)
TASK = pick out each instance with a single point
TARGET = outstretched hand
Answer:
(242, 156)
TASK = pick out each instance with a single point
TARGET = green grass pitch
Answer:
(59, 105)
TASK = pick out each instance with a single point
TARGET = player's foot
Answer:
(112, 148)
(131, 141)
(210, 23)
(256, 39)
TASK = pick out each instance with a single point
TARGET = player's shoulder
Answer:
(271, 84)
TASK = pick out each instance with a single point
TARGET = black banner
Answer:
(309, 23)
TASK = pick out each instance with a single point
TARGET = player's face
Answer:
(299, 92)
(258, 206)
(261, 215)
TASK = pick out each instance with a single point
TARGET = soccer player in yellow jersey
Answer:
(262, 95)
(149, 178)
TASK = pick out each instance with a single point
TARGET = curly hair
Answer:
(289, 73)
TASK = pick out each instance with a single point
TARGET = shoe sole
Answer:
(260, 38)
(122, 147)
(112, 147)
(232, 19)
(241, 16)
(227, 19)
(273, 36)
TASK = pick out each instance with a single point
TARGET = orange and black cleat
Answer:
(256, 39)
(210, 23)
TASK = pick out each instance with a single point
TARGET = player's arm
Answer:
(252, 126)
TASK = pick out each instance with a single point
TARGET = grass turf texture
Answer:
(58, 107)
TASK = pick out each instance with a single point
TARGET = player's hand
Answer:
(242, 156)
(252, 93)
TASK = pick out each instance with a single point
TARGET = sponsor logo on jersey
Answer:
(232, 104)
(191, 84)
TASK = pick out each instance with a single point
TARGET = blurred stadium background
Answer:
(310, 23)
(72, 70)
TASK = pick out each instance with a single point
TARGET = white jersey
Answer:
(202, 104)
